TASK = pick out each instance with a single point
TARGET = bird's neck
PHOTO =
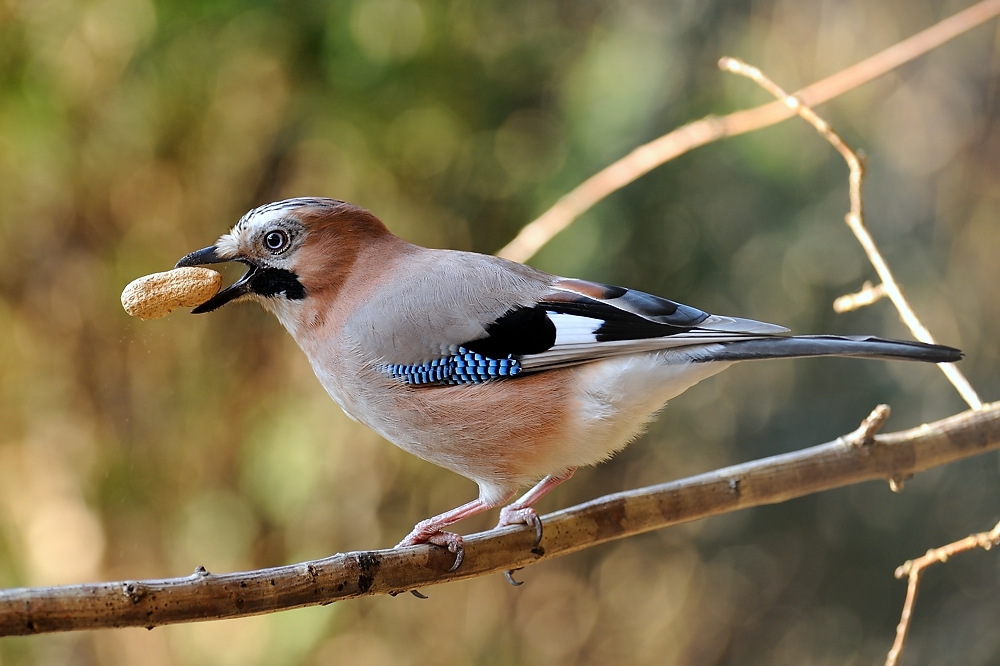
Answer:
(348, 276)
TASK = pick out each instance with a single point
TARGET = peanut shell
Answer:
(157, 295)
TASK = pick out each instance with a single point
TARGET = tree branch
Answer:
(868, 295)
(913, 568)
(856, 221)
(859, 456)
(647, 157)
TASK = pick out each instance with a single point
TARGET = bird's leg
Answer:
(520, 512)
(430, 530)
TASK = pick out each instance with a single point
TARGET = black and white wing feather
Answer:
(579, 321)
(582, 321)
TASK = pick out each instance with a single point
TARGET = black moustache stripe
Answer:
(273, 281)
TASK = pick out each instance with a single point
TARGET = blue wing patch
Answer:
(462, 367)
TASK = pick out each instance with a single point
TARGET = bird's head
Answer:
(292, 249)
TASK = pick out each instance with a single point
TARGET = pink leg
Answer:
(520, 512)
(430, 530)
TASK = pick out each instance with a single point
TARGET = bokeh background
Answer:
(135, 131)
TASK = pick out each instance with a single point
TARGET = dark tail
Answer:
(831, 345)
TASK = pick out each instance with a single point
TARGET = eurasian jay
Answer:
(495, 370)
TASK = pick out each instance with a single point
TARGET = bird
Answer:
(500, 372)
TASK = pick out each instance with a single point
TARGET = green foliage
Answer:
(132, 132)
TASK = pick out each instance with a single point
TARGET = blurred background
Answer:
(135, 131)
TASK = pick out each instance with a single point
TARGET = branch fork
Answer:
(912, 569)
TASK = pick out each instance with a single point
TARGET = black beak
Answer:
(240, 288)
(200, 258)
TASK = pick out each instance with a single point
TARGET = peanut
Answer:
(157, 295)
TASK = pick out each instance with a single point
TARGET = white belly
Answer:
(619, 396)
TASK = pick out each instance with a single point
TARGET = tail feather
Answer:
(829, 345)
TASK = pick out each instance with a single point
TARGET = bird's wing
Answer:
(459, 318)
(578, 321)
(454, 317)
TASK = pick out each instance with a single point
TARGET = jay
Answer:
(500, 372)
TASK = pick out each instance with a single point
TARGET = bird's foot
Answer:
(517, 515)
(425, 532)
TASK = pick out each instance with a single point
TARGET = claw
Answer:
(459, 556)
(451, 541)
(514, 515)
(509, 574)
(415, 593)
(537, 523)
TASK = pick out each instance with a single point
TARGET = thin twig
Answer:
(860, 456)
(647, 157)
(913, 569)
(869, 294)
(855, 220)
(906, 313)
(865, 434)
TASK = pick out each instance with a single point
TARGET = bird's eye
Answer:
(276, 241)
